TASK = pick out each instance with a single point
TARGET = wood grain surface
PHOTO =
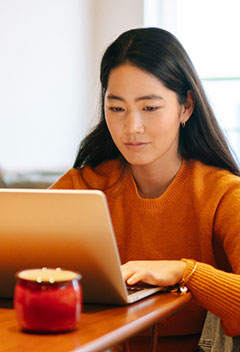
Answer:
(100, 327)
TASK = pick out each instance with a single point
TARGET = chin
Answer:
(136, 161)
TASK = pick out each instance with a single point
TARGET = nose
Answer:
(133, 123)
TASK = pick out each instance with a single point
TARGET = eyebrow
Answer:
(144, 97)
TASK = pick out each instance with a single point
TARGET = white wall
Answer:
(110, 19)
(50, 54)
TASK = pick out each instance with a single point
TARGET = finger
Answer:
(144, 276)
(127, 272)
(140, 275)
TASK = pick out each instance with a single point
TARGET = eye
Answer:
(151, 108)
(115, 109)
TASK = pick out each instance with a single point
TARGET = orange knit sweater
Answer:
(198, 216)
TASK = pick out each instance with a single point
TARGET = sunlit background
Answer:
(49, 64)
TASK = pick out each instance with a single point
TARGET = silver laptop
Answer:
(70, 229)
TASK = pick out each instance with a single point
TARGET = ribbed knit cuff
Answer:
(217, 291)
(191, 266)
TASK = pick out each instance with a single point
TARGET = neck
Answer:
(152, 180)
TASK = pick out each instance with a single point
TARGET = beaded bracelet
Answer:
(185, 279)
(180, 287)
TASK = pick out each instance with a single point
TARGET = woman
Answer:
(172, 184)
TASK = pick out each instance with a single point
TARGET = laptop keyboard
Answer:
(134, 289)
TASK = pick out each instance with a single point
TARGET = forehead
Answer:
(132, 74)
(132, 81)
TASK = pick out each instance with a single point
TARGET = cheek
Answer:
(166, 128)
(169, 120)
(107, 120)
(158, 126)
(113, 127)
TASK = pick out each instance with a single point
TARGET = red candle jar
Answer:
(48, 300)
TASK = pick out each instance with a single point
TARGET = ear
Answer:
(187, 107)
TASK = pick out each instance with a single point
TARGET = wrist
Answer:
(190, 267)
(181, 270)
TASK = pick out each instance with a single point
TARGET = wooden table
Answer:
(100, 326)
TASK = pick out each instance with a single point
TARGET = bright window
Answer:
(209, 30)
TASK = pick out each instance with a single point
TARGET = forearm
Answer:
(218, 292)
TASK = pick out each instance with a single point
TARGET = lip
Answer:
(136, 145)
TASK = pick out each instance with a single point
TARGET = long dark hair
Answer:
(158, 52)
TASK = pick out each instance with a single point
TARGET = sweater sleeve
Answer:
(218, 292)
(226, 228)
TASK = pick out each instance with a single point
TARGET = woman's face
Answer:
(143, 116)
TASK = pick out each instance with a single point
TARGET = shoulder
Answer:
(100, 177)
(210, 176)
(209, 185)
(215, 194)
(67, 180)
(104, 175)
